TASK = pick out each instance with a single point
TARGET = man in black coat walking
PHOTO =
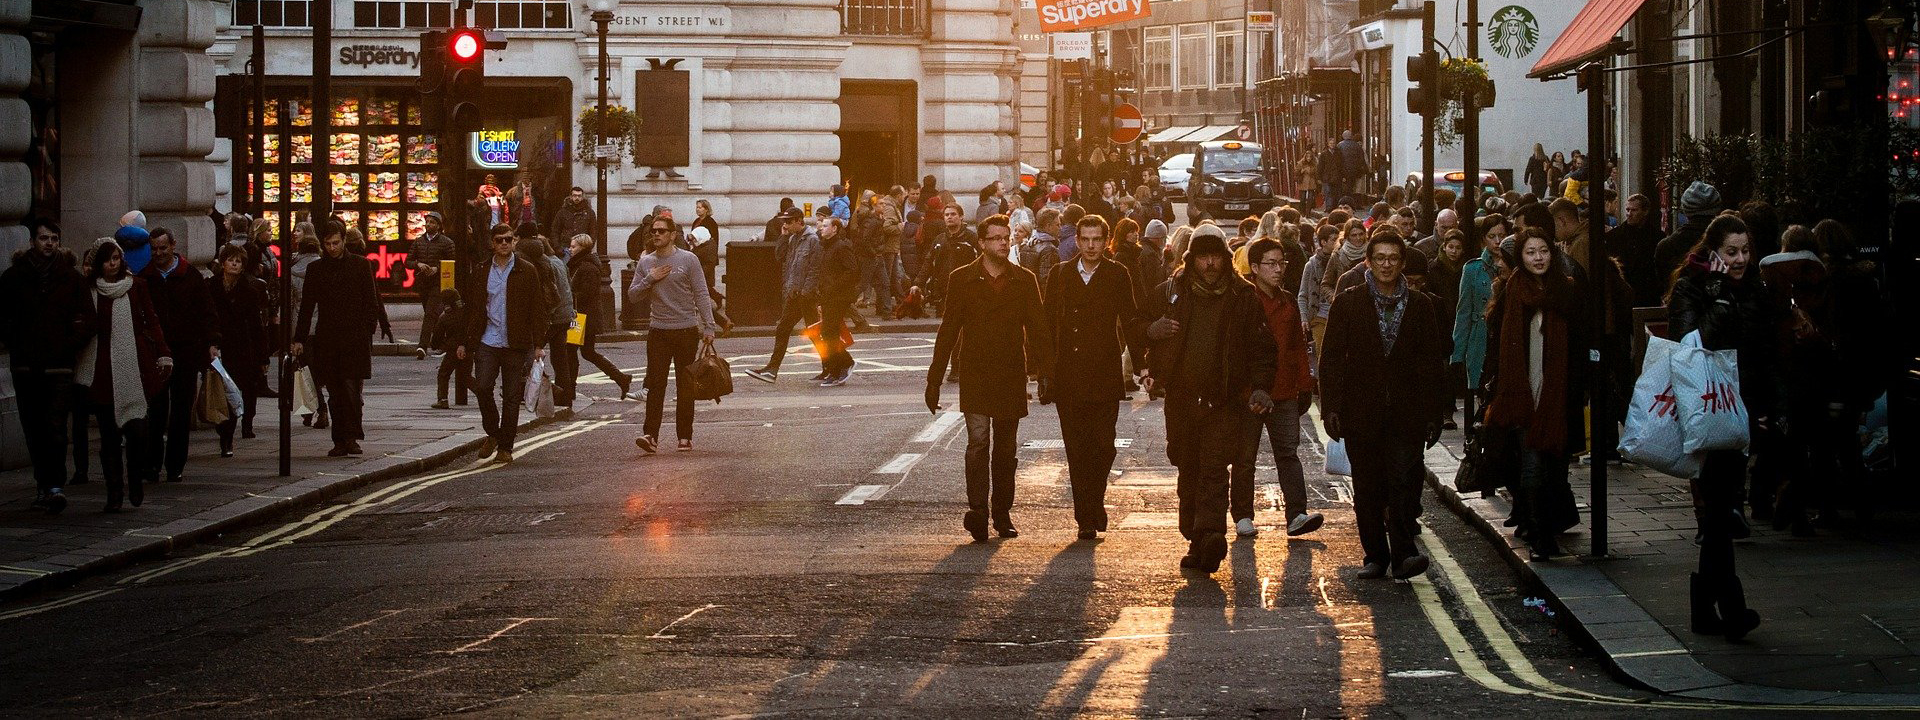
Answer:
(1214, 357)
(340, 288)
(1090, 306)
(1383, 391)
(49, 318)
(185, 305)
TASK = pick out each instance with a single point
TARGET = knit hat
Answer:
(1414, 263)
(1156, 228)
(435, 214)
(1700, 198)
(1207, 238)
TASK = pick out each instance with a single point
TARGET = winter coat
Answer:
(243, 311)
(1245, 349)
(1293, 374)
(150, 342)
(1671, 252)
(1369, 388)
(1745, 316)
(454, 315)
(588, 275)
(529, 306)
(1574, 312)
(571, 220)
(1001, 335)
(186, 313)
(1089, 321)
(799, 258)
(1635, 246)
(1313, 297)
(341, 290)
(1470, 316)
(49, 313)
(839, 271)
(426, 252)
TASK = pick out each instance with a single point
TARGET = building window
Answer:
(1229, 56)
(402, 13)
(883, 17)
(522, 15)
(271, 13)
(1157, 49)
(1262, 47)
(1195, 59)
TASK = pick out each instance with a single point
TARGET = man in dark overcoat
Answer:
(995, 316)
(340, 289)
(185, 305)
(1090, 307)
(1214, 357)
(1383, 391)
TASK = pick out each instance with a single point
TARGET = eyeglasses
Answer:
(1272, 263)
(1386, 259)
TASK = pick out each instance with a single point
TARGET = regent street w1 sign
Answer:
(1067, 15)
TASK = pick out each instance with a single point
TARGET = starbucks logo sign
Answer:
(1513, 32)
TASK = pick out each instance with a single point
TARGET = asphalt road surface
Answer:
(806, 559)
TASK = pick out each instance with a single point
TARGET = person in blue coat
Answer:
(1476, 290)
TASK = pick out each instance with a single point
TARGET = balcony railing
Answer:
(883, 17)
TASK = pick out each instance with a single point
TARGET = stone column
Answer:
(173, 123)
(16, 183)
(967, 117)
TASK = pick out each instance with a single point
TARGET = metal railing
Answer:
(883, 17)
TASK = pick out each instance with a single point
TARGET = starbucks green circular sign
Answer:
(1513, 32)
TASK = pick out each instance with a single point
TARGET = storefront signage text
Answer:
(684, 20)
(369, 55)
(497, 149)
(1058, 15)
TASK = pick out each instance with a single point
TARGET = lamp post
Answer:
(602, 14)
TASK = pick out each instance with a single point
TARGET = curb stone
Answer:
(1635, 646)
(162, 540)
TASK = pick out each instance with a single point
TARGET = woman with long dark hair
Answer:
(1718, 292)
(125, 363)
(240, 300)
(1534, 362)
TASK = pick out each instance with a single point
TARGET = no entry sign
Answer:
(1127, 124)
(1059, 15)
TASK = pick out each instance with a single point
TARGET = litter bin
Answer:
(633, 313)
(753, 283)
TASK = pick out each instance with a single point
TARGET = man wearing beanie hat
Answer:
(423, 257)
(1382, 391)
(1699, 204)
(1149, 267)
(1212, 355)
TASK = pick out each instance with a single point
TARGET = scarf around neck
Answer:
(1391, 309)
(123, 353)
(1513, 405)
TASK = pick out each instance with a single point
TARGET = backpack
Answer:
(1039, 253)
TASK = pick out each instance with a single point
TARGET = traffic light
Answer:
(433, 78)
(466, 75)
(1423, 83)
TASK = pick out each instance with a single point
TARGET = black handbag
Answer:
(1482, 466)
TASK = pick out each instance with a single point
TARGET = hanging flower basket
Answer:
(619, 127)
(1459, 77)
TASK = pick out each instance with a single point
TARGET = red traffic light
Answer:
(466, 45)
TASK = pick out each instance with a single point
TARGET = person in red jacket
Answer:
(1292, 393)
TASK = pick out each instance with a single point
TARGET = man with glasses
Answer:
(995, 305)
(49, 318)
(507, 321)
(1383, 391)
(798, 255)
(680, 318)
(1292, 392)
(1090, 306)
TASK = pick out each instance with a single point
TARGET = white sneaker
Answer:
(1304, 523)
(1245, 527)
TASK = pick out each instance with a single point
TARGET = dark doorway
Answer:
(878, 134)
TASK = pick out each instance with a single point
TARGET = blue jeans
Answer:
(879, 273)
(1282, 428)
(509, 366)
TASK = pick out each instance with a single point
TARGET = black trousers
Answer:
(1717, 496)
(449, 365)
(43, 398)
(347, 405)
(1088, 429)
(430, 318)
(1210, 440)
(1386, 492)
(250, 380)
(833, 315)
(117, 442)
(675, 347)
(170, 424)
(991, 444)
(792, 311)
(606, 366)
(500, 421)
(565, 357)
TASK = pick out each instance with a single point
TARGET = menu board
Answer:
(381, 164)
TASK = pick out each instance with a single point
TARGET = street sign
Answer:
(606, 152)
(1244, 132)
(1127, 123)
(1058, 15)
(1073, 46)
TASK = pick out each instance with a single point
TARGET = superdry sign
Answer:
(1059, 15)
(370, 55)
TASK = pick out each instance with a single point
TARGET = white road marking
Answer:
(938, 427)
(860, 494)
(1058, 443)
(517, 622)
(900, 464)
(349, 628)
(661, 633)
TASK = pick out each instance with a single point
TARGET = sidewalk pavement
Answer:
(1840, 615)
(404, 436)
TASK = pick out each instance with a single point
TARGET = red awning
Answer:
(1586, 38)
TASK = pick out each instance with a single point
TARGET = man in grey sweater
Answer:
(681, 318)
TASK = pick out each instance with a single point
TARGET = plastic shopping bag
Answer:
(306, 397)
(1654, 437)
(1337, 462)
(236, 403)
(539, 391)
(1706, 386)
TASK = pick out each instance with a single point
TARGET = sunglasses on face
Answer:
(660, 230)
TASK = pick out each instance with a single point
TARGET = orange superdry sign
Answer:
(1058, 15)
